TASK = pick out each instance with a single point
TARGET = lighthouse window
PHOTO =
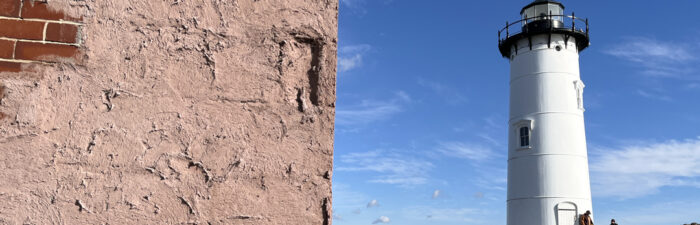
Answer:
(524, 136)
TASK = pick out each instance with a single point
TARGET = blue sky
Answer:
(423, 103)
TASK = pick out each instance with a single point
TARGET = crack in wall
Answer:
(313, 73)
(326, 211)
(187, 203)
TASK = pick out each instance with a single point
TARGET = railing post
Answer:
(573, 21)
(586, 27)
(507, 31)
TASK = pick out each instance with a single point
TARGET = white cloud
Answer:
(436, 194)
(350, 57)
(382, 219)
(656, 58)
(642, 169)
(471, 151)
(348, 63)
(372, 203)
(368, 111)
(390, 168)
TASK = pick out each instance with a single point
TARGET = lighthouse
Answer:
(548, 179)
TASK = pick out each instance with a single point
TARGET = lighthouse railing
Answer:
(509, 32)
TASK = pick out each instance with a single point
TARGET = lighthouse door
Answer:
(566, 217)
(566, 213)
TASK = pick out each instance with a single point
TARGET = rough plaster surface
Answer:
(179, 112)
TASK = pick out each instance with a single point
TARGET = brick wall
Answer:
(32, 32)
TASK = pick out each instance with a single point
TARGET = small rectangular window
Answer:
(524, 137)
(521, 136)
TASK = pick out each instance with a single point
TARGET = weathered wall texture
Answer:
(174, 112)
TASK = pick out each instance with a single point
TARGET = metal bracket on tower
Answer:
(566, 41)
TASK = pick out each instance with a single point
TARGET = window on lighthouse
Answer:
(524, 136)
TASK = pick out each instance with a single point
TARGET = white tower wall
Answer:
(548, 182)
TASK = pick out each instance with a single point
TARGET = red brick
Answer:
(10, 66)
(6, 49)
(40, 10)
(9, 8)
(44, 52)
(21, 29)
(66, 33)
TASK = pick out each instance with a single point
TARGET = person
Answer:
(585, 219)
(612, 222)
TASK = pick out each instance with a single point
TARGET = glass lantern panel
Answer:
(528, 13)
(541, 11)
(556, 10)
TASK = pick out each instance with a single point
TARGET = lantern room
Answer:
(542, 10)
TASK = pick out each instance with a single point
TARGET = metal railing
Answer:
(523, 24)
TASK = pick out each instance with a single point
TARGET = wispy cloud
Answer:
(351, 3)
(463, 150)
(387, 167)
(351, 56)
(447, 93)
(345, 198)
(492, 177)
(675, 212)
(655, 95)
(403, 96)
(382, 219)
(372, 203)
(359, 6)
(436, 194)
(656, 58)
(489, 166)
(368, 111)
(480, 152)
(642, 169)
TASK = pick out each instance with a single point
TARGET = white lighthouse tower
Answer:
(548, 181)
